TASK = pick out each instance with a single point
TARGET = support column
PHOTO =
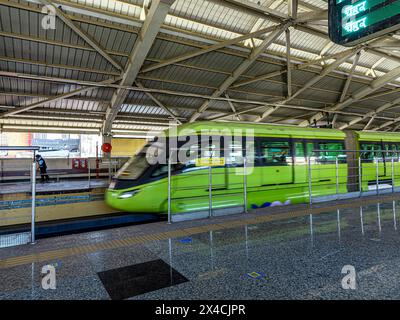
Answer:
(351, 143)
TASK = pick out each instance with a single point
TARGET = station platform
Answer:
(293, 252)
(55, 202)
(61, 186)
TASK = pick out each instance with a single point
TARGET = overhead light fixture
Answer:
(142, 16)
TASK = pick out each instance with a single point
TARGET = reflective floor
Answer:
(301, 258)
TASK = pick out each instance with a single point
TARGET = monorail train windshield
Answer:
(134, 168)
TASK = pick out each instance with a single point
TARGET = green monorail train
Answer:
(277, 169)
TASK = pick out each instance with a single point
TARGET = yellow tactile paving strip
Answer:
(119, 243)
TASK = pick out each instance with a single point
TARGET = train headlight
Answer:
(128, 194)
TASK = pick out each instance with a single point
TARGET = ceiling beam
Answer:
(207, 49)
(350, 76)
(325, 71)
(232, 107)
(135, 24)
(82, 34)
(253, 7)
(396, 128)
(312, 16)
(288, 65)
(242, 67)
(360, 93)
(59, 66)
(300, 66)
(294, 107)
(371, 113)
(53, 99)
(155, 90)
(292, 8)
(259, 78)
(369, 123)
(386, 124)
(151, 26)
(159, 103)
(57, 43)
(125, 20)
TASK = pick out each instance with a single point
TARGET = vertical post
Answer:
(97, 161)
(338, 223)
(245, 183)
(209, 191)
(311, 230)
(109, 170)
(169, 188)
(362, 220)
(337, 176)
(88, 163)
(33, 213)
(360, 180)
(170, 260)
(392, 174)
(394, 215)
(377, 175)
(379, 216)
(246, 234)
(33, 284)
(211, 249)
(309, 180)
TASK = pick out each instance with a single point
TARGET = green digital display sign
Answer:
(355, 21)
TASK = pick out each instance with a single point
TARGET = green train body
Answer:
(279, 174)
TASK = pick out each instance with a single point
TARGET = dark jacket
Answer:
(42, 164)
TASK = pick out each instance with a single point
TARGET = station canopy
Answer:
(126, 67)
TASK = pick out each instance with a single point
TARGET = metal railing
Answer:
(333, 176)
(328, 175)
(33, 192)
(12, 169)
(209, 175)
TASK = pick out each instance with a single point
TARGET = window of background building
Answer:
(52, 145)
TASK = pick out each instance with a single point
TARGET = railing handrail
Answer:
(326, 150)
(28, 148)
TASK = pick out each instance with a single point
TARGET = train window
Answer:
(275, 152)
(392, 147)
(300, 153)
(191, 155)
(135, 166)
(251, 152)
(161, 170)
(310, 147)
(370, 151)
(333, 151)
(234, 153)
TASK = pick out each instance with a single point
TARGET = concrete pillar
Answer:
(351, 143)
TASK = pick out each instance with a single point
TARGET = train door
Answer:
(301, 165)
(234, 155)
(276, 161)
(190, 184)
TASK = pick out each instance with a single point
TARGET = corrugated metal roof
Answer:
(28, 49)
